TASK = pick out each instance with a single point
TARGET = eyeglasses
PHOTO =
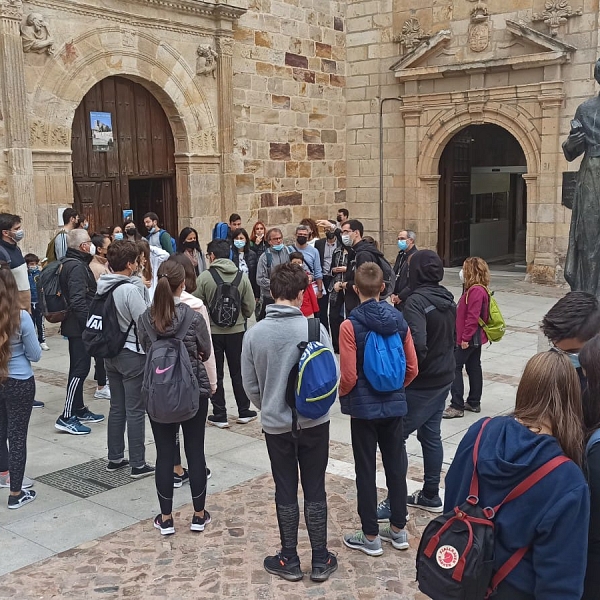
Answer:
(276, 239)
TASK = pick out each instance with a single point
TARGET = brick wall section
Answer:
(289, 78)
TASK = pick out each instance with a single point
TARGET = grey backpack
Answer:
(170, 389)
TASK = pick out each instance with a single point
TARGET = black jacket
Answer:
(430, 312)
(401, 288)
(320, 246)
(363, 252)
(78, 285)
(251, 259)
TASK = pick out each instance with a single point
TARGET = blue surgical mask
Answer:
(574, 358)
(346, 240)
(18, 235)
(239, 243)
(278, 247)
(118, 236)
(402, 244)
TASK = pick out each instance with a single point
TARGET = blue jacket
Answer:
(363, 402)
(552, 517)
(33, 277)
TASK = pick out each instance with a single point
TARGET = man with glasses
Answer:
(78, 286)
(275, 255)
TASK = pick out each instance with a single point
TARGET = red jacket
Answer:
(310, 306)
(473, 304)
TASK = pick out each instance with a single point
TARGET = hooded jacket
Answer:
(251, 259)
(357, 398)
(552, 517)
(196, 342)
(430, 312)
(263, 271)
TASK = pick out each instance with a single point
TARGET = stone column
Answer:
(14, 103)
(226, 123)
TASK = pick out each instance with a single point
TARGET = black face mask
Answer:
(339, 218)
(131, 231)
(301, 239)
(190, 245)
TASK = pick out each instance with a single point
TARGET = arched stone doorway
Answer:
(482, 207)
(131, 167)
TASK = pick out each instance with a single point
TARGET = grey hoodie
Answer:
(131, 301)
(268, 354)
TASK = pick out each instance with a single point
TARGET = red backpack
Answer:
(455, 560)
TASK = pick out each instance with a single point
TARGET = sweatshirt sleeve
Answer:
(248, 301)
(262, 275)
(249, 376)
(31, 346)
(412, 363)
(348, 369)
(209, 364)
(593, 467)
(474, 300)
(417, 321)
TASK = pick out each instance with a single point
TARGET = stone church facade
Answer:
(446, 118)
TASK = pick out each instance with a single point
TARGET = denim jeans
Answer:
(471, 359)
(425, 408)
(125, 374)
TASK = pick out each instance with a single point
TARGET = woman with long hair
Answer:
(245, 258)
(551, 518)
(313, 230)
(474, 304)
(165, 317)
(19, 347)
(189, 246)
(116, 233)
(258, 238)
(130, 231)
(151, 257)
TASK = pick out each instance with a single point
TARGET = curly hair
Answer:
(476, 272)
(10, 316)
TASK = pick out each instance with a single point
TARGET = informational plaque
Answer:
(569, 183)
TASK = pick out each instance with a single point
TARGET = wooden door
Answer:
(95, 199)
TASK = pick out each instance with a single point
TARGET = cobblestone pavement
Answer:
(67, 546)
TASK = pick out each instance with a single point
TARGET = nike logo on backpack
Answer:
(160, 371)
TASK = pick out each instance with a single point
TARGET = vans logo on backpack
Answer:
(160, 371)
(94, 322)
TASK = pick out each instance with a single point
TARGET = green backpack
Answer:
(495, 328)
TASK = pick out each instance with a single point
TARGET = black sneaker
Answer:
(218, 421)
(38, 404)
(166, 527)
(198, 523)
(419, 500)
(246, 417)
(287, 568)
(143, 471)
(25, 497)
(179, 480)
(322, 570)
(115, 466)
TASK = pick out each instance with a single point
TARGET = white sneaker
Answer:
(5, 481)
(103, 394)
(44, 346)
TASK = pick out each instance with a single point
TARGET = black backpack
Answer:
(52, 302)
(102, 336)
(226, 304)
(170, 389)
(455, 560)
(389, 277)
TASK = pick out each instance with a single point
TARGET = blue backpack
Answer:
(313, 382)
(173, 242)
(384, 363)
(220, 231)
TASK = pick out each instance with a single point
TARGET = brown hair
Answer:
(287, 281)
(144, 248)
(170, 276)
(589, 357)
(476, 272)
(120, 254)
(10, 316)
(314, 228)
(369, 279)
(253, 232)
(549, 395)
(190, 273)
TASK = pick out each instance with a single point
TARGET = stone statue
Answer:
(206, 63)
(35, 36)
(582, 266)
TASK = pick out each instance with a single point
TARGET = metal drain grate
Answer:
(87, 479)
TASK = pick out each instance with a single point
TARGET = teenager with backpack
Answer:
(176, 390)
(544, 530)
(57, 247)
(228, 294)
(373, 394)
(270, 352)
(126, 370)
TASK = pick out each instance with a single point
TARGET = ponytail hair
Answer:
(10, 316)
(170, 276)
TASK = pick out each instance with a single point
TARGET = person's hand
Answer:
(325, 224)
(464, 345)
(337, 286)
(395, 299)
(320, 294)
(259, 238)
(339, 269)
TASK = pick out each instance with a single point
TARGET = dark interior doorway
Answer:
(152, 195)
(482, 199)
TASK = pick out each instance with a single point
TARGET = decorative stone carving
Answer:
(11, 9)
(35, 35)
(38, 134)
(205, 141)
(128, 38)
(225, 46)
(206, 62)
(479, 29)
(555, 14)
(412, 34)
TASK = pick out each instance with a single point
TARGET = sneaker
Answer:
(418, 500)
(399, 539)
(25, 497)
(143, 471)
(179, 480)
(44, 346)
(249, 415)
(220, 422)
(103, 394)
(287, 568)
(198, 523)
(322, 570)
(115, 466)
(166, 527)
(71, 425)
(38, 404)
(359, 541)
(5, 481)
(470, 408)
(87, 416)
(208, 473)
(384, 512)
(453, 413)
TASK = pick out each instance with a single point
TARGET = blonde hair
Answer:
(476, 272)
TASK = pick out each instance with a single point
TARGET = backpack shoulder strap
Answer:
(314, 330)
(269, 259)
(185, 324)
(237, 279)
(474, 487)
(594, 439)
(217, 278)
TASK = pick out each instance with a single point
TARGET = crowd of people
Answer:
(173, 302)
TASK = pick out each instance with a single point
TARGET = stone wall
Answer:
(289, 77)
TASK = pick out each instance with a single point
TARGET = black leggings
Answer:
(166, 448)
(16, 402)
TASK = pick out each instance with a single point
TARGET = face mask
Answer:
(239, 243)
(118, 236)
(86, 226)
(92, 249)
(190, 245)
(130, 231)
(339, 218)
(346, 240)
(278, 247)
(574, 358)
(402, 244)
(151, 229)
(301, 240)
(461, 275)
(18, 235)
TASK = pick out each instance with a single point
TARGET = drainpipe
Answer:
(382, 101)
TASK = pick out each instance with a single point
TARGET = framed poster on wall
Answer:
(102, 131)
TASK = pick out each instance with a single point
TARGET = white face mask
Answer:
(461, 276)
(92, 249)
(346, 240)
